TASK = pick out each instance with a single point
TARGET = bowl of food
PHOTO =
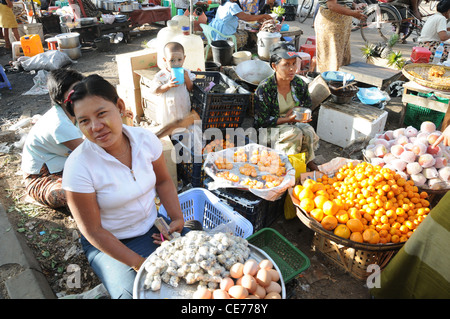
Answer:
(302, 113)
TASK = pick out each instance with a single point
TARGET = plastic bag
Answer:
(299, 164)
(372, 95)
(40, 84)
(49, 60)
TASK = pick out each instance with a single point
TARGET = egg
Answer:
(248, 282)
(251, 267)
(263, 277)
(252, 297)
(273, 287)
(265, 264)
(226, 283)
(274, 275)
(238, 292)
(220, 294)
(273, 295)
(202, 293)
(260, 292)
(237, 270)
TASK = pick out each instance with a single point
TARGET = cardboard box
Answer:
(127, 63)
(132, 98)
(150, 102)
(341, 124)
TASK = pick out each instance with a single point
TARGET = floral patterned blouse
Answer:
(267, 109)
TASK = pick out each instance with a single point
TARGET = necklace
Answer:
(125, 152)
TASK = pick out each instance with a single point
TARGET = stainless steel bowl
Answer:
(73, 53)
(68, 40)
(302, 113)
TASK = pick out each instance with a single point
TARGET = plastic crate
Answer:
(415, 115)
(288, 258)
(202, 205)
(219, 110)
(260, 212)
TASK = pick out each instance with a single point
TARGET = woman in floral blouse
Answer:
(275, 99)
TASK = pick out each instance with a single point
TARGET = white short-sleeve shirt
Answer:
(435, 24)
(126, 197)
(43, 144)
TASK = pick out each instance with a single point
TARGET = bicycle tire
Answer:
(391, 24)
(414, 26)
(304, 14)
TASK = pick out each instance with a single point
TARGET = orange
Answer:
(329, 222)
(330, 208)
(356, 236)
(308, 183)
(317, 187)
(306, 193)
(355, 225)
(317, 214)
(343, 231)
(297, 190)
(307, 204)
(342, 216)
(371, 236)
(320, 200)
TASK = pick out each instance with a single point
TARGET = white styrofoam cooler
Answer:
(341, 124)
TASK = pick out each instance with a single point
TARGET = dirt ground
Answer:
(53, 235)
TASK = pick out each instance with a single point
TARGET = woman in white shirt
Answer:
(111, 181)
(434, 30)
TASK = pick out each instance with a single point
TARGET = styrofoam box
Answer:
(341, 124)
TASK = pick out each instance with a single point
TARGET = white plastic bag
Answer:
(49, 60)
(40, 84)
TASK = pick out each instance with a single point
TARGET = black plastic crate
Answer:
(191, 171)
(219, 109)
(289, 17)
(260, 212)
(290, 8)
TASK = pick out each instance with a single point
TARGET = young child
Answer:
(173, 96)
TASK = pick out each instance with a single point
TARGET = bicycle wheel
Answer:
(374, 30)
(304, 10)
(356, 24)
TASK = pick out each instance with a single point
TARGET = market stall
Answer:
(149, 15)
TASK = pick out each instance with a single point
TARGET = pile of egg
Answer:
(411, 154)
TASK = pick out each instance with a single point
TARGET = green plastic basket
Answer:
(288, 258)
(415, 114)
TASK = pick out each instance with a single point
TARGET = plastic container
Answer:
(420, 55)
(303, 62)
(164, 36)
(222, 51)
(194, 51)
(241, 56)
(415, 115)
(289, 259)
(202, 205)
(31, 45)
(178, 75)
(52, 43)
(260, 212)
(183, 21)
(308, 48)
(16, 50)
(438, 54)
(219, 109)
(265, 41)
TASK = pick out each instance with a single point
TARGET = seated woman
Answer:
(434, 30)
(227, 19)
(275, 99)
(50, 142)
(111, 181)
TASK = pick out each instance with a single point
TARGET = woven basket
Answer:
(352, 256)
(422, 69)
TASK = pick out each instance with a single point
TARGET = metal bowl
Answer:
(68, 40)
(302, 113)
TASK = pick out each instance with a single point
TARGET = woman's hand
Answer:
(359, 9)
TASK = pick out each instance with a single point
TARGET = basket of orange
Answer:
(362, 215)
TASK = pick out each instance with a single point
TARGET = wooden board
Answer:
(356, 109)
(371, 74)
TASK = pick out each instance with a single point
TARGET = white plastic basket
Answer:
(202, 205)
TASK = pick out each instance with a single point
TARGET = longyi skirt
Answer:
(7, 17)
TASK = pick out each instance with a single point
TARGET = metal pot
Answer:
(68, 40)
(73, 53)
(253, 72)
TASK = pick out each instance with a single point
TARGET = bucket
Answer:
(103, 43)
(265, 41)
(31, 45)
(222, 51)
(34, 28)
(212, 66)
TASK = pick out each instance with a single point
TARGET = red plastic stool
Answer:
(311, 39)
(308, 48)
